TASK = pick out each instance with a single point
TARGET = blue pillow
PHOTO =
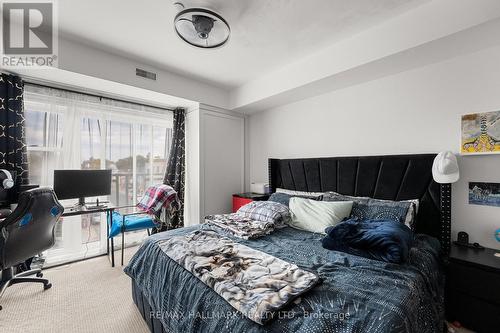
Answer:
(281, 198)
(377, 210)
(370, 208)
(365, 208)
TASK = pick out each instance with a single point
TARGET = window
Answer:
(44, 141)
(90, 144)
(144, 148)
(119, 157)
(68, 130)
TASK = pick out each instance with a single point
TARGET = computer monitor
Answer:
(79, 184)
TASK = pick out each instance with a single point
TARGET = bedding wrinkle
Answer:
(356, 294)
(268, 282)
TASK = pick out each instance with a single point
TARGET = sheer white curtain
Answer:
(67, 130)
(73, 107)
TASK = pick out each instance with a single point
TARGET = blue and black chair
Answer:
(26, 232)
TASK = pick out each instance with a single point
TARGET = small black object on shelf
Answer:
(463, 240)
(476, 246)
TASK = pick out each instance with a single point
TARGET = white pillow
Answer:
(316, 216)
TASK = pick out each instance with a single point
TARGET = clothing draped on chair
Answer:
(175, 174)
(13, 155)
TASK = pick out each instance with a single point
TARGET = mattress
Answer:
(356, 295)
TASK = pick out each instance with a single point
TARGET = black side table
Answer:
(472, 294)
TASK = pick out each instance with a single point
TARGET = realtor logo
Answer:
(29, 36)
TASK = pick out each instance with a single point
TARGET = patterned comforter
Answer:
(253, 282)
(356, 294)
(238, 225)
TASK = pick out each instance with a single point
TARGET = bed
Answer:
(356, 294)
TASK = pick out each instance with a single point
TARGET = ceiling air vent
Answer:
(145, 74)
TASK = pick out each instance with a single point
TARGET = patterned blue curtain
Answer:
(13, 154)
(175, 174)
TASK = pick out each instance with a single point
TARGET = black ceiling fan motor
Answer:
(203, 25)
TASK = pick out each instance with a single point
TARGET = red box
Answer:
(239, 201)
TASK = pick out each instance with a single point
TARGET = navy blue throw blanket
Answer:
(383, 240)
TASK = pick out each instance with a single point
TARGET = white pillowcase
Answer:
(316, 216)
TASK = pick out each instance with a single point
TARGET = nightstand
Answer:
(472, 294)
(242, 199)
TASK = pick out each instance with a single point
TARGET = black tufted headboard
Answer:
(391, 177)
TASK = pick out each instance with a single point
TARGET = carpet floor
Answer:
(87, 296)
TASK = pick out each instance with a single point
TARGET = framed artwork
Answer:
(484, 194)
(480, 133)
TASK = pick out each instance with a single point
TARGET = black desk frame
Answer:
(71, 211)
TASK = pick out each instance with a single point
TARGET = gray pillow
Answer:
(299, 193)
(334, 196)
(284, 198)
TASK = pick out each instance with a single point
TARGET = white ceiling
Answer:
(266, 34)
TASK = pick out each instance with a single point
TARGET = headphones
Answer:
(8, 182)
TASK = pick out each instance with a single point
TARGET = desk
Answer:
(108, 209)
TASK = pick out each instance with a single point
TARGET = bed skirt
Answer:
(144, 308)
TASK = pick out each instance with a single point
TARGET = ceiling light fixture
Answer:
(201, 27)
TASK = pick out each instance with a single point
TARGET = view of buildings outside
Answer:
(113, 150)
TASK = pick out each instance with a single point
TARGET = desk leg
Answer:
(112, 248)
(107, 233)
(112, 253)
